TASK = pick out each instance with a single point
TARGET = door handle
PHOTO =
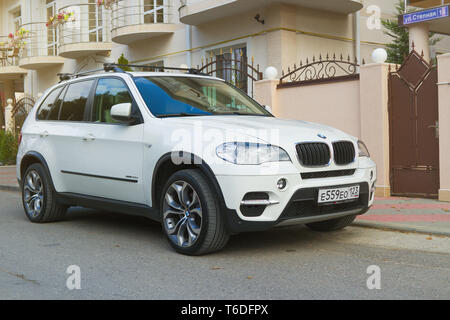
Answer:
(436, 128)
(89, 137)
(44, 134)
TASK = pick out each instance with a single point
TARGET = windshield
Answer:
(168, 96)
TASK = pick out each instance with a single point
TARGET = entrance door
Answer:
(414, 129)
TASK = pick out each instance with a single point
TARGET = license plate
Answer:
(338, 194)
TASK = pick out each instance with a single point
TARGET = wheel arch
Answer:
(165, 167)
(30, 158)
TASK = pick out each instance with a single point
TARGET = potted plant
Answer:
(17, 40)
(60, 18)
(106, 3)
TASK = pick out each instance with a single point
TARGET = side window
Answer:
(109, 92)
(75, 100)
(54, 113)
(48, 105)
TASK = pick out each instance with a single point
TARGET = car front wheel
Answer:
(190, 214)
(38, 197)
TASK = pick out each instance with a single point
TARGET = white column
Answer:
(444, 125)
(9, 120)
(419, 34)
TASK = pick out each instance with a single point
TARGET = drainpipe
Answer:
(358, 37)
(189, 46)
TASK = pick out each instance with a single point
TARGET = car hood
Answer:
(268, 129)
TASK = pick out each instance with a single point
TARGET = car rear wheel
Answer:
(332, 225)
(190, 214)
(38, 197)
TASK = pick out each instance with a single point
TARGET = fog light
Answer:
(372, 191)
(282, 183)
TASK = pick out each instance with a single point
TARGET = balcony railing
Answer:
(135, 12)
(41, 41)
(9, 56)
(134, 20)
(9, 60)
(91, 25)
(197, 12)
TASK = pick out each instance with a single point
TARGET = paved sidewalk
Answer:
(402, 214)
(408, 214)
(8, 179)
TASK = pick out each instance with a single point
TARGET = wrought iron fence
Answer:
(320, 70)
(20, 111)
(238, 72)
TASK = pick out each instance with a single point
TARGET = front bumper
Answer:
(297, 204)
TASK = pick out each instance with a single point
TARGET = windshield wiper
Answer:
(182, 114)
(243, 114)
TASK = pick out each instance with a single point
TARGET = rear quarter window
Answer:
(49, 104)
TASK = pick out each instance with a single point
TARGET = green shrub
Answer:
(123, 60)
(8, 147)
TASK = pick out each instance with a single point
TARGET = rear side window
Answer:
(54, 112)
(49, 104)
(75, 101)
(109, 92)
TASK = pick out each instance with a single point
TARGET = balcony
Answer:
(441, 25)
(197, 12)
(40, 49)
(135, 20)
(427, 3)
(88, 33)
(9, 61)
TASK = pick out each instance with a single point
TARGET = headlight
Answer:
(363, 151)
(251, 153)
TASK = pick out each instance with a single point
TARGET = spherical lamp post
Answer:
(271, 73)
(379, 55)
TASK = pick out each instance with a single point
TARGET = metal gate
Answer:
(235, 71)
(20, 112)
(414, 128)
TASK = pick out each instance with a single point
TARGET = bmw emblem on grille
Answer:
(322, 136)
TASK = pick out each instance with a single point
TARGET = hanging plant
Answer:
(60, 18)
(17, 39)
(106, 3)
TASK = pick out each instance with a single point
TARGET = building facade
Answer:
(54, 36)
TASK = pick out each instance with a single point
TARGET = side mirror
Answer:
(122, 113)
(269, 109)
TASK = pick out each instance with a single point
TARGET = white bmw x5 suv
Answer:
(190, 151)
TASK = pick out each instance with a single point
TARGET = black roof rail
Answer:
(68, 76)
(64, 76)
(116, 67)
(154, 68)
(112, 67)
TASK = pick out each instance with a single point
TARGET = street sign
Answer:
(426, 15)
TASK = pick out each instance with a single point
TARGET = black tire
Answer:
(50, 210)
(213, 234)
(332, 225)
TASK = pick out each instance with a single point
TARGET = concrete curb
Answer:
(9, 188)
(357, 223)
(403, 228)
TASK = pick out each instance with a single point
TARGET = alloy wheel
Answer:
(182, 214)
(33, 195)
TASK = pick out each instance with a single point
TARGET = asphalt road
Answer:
(123, 257)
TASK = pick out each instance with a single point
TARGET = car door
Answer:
(42, 134)
(64, 134)
(106, 160)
